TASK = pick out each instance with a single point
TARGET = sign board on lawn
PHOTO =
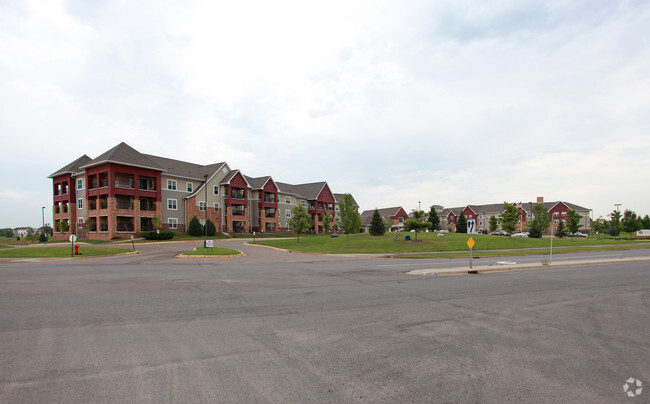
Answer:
(209, 243)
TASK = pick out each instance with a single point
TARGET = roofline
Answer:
(98, 163)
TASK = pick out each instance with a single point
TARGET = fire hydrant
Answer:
(76, 249)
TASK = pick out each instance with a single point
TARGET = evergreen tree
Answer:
(377, 224)
(561, 230)
(212, 230)
(630, 222)
(615, 226)
(433, 219)
(195, 228)
(461, 224)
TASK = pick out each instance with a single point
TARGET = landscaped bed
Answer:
(202, 251)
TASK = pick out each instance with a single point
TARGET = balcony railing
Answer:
(237, 194)
(269, 212)
(238, 210)
(269, 198)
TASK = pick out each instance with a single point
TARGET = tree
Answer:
(377, 224)
(615, 223)
(561, 230)
(31, 235)
(156, 222)
(573, 221)
(327, 221)
(211, 229)
(599, 226)
(416, 223)
(461, 224)
(630, 222)
(509, 217)
(300, 220)
(645, 222)
(195, 228)
(63, 226)
(433, 219)
(540, 222)
(494, 223)
(6, 232)
(349, 217)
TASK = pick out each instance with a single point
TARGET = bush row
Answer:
(153, 235)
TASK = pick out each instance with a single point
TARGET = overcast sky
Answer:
(438, 102)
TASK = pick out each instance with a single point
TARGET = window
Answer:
(563, 214)
(556, 214)
(124, 202)
(80, 203)
(171, 185)
(80, 184)
(171, 204)
(287, 199)
(238, 210)
(124, 223)
(400, 219)
(303, 203)
(287, 214)
(216, 206)
(123, 180)
(288, 228)
(190, 187)
(147, 183)
(80, 222)
(202, 206)
(215, 190)
(173, 223)
(237, 193)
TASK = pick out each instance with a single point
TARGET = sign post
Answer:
(72, 239)
(470, 244)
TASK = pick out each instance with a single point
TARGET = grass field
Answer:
(428, 242)
(59, 252)
(213, 251)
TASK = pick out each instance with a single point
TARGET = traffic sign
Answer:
(72, 238)
(470, 243)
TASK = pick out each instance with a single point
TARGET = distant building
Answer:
(481, 214)
(395, 216)
(22, 231)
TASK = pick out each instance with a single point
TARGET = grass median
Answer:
(430, 243)
(60, 252)
(223, 252)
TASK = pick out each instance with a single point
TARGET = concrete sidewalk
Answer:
(513, 266)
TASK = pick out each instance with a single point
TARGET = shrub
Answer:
(212, 230)
(195, 228)
(534, 232)
(153, 235)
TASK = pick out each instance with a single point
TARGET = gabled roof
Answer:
(231, 175)
(308, 191)
(126, 155)
(259, 182)
(184, 169)
(339, 199)
(72, 168)
(383, 212)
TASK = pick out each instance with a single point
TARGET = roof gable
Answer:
(72, 168)
(126, 155)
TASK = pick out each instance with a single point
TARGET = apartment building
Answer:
(395, 216)
(119, 193)
(478, 216)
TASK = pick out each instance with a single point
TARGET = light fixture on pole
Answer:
(205, 177)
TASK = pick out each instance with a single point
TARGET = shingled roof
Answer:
(184, 169)
(126, 155)
(72, 168)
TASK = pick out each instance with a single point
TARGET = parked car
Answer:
(522, 234)
(577, 234)
(499, 233)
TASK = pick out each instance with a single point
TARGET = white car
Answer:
(522, 234)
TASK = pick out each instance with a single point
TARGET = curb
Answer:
(521, 267)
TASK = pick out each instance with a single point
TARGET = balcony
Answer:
(123, 180)
(148, 204)
(237, 193)
(123, 202)
(238, 210)
(269, 198)
(269, 212)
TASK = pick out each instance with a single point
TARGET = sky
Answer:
(409, 103)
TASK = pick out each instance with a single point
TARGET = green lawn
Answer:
(213, 251)
(427, 242)
(59, 252)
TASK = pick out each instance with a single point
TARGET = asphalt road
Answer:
(288, 327)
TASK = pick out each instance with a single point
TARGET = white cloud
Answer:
(447, 102)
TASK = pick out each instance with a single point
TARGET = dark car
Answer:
(499, 233)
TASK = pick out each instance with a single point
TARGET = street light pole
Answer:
(205, 177)
(45, 234)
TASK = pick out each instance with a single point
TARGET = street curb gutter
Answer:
(521, 267)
